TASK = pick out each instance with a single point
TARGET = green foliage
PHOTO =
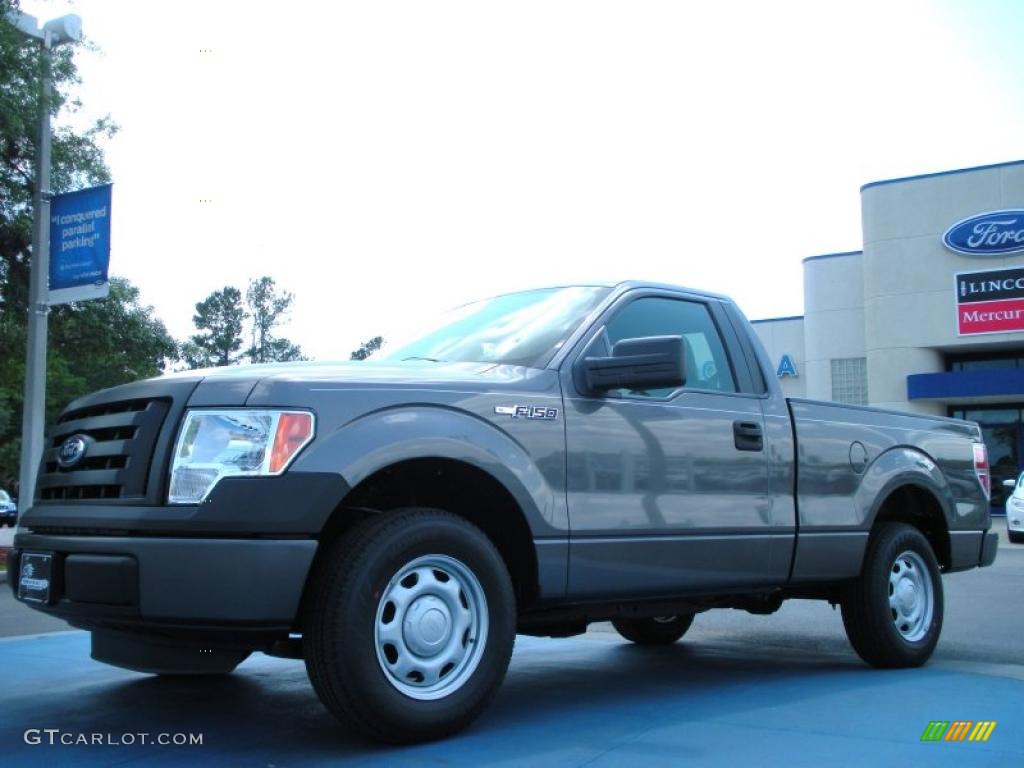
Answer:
(268, 308)
(219, 318)
(367, 348)
(77, 158)
(92, 345)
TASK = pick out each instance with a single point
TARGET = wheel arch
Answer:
(455, 486)
(444, 458)
(906, 485)
(918, 506)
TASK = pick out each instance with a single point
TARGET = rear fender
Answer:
(894, 469)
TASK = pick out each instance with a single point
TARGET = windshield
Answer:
(516, 329)
(4, 498)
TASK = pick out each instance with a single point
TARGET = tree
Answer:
(219, 318)
(268, 308)
(77, 157)
(92, 344)
(367, 348)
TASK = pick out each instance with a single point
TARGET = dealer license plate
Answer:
(34, 576)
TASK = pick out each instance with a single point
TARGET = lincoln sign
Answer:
(990, 301)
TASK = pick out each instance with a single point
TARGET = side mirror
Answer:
(1011, 484)
(653, 362)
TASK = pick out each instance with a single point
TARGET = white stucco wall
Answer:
(785, 336)
(894, 302)
(833, 317)
(908, 274)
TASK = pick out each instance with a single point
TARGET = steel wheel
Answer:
(893, 612)
(911, 598)
(431, 627)
(409, 625)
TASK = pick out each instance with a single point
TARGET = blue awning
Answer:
(1000, 382)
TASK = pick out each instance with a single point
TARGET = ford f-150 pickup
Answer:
(528, 464)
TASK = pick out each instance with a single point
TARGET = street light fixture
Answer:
(66, 29)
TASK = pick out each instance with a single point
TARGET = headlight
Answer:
(234, 443)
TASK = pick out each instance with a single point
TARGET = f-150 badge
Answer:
(541, 412)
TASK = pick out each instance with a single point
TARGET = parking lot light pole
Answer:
(66, 29)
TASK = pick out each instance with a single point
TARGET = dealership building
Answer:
(928, 315)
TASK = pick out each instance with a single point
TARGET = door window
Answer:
(707, 366)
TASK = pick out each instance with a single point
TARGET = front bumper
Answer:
(169, 584)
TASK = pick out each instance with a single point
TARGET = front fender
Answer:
(377, 440)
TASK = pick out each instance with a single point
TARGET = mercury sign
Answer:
(990, 301)
(80, 245)
(987, 234)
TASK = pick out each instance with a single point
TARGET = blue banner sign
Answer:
(80, 245)
(987, 234)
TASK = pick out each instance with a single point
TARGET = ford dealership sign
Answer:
(987, 234)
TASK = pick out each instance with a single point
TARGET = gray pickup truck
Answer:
(530, 463)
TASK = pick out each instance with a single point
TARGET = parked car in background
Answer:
(8, 510)
(1015, 510)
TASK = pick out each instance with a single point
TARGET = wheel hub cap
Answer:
(431, 627)
(911, 596)
(907, 596)
(427, 625)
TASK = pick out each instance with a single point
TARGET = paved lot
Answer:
(741, 690)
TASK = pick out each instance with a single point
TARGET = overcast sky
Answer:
(388, 159)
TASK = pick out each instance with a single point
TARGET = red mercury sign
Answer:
(990, 301)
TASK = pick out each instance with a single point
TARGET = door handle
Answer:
(747, 436)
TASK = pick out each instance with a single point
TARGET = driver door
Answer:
(668, 490)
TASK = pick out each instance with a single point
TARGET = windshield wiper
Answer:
(428, 359)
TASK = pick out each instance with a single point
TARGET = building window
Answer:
(984, 362)
(850, 380)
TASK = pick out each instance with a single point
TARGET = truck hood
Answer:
(280, 382)
(283, 382)
(412, 372)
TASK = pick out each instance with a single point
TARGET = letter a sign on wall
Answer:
(786, 367)
(990, 301)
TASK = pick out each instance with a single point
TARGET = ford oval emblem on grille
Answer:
(71, 451)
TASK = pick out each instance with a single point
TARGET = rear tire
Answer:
(409, 627)
(893, 612)
(663, 630)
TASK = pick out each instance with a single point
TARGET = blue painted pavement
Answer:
(593, 700)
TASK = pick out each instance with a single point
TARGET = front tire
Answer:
(1017, 537)
(662, 630)
(893, 612)
(410, 626)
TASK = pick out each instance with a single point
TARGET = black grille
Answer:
(120, 438)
